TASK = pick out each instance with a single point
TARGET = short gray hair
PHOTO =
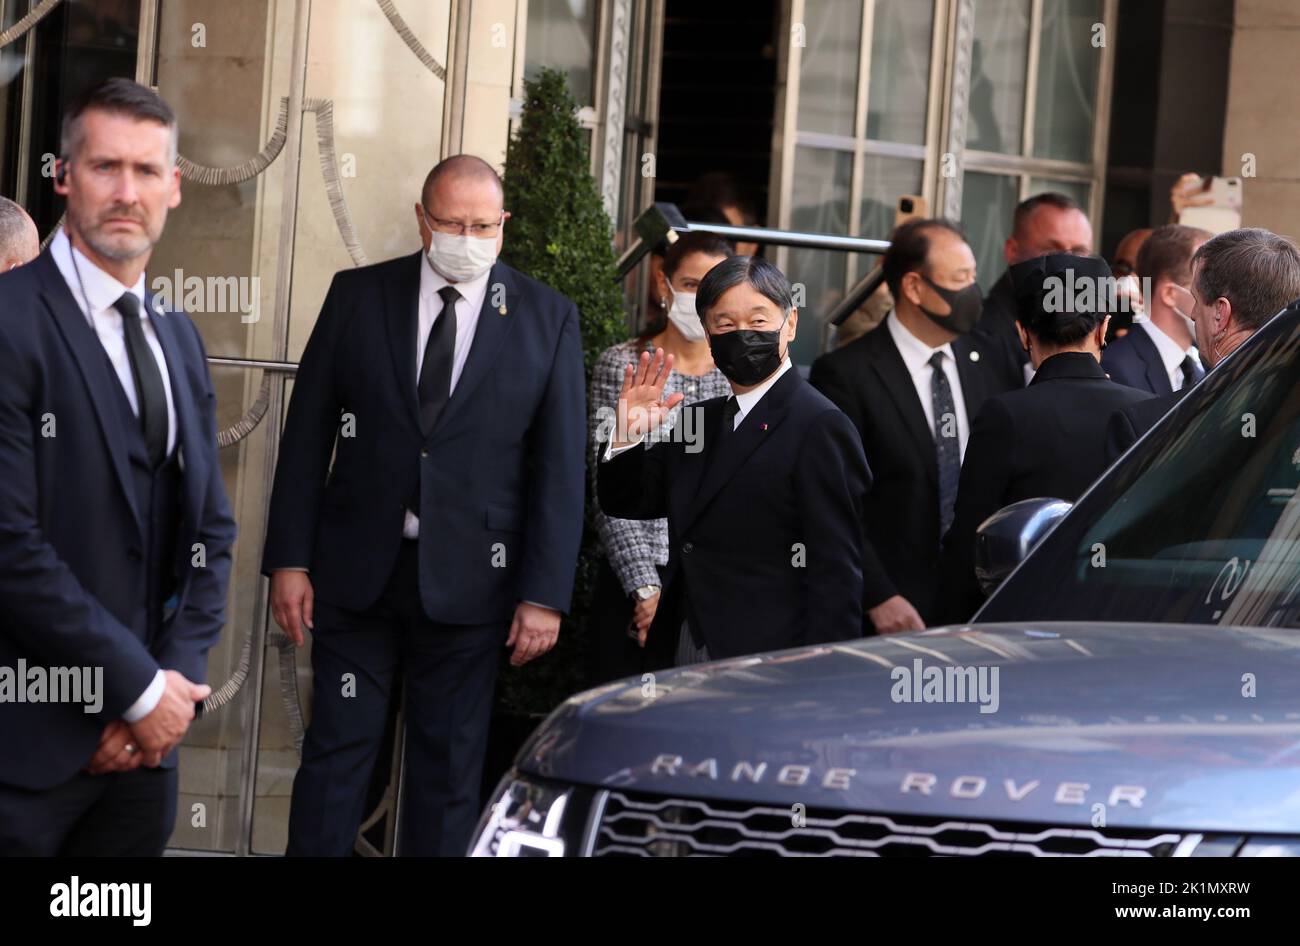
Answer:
(18, 237)
(754, 271)
(117, 96)
(1254, 269)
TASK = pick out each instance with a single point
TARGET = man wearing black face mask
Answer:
(911, 386)
(765, 551)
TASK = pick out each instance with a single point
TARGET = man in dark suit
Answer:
(1158, 354)
(1045, 223)
(911, 386)
(1047, 439)
(765, 551)
(1239, 280)
(449, 389)
(115, 532)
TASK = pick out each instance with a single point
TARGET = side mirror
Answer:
(1006, 538)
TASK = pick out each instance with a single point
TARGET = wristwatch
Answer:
(645, 592)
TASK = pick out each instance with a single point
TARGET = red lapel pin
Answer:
(763, 427)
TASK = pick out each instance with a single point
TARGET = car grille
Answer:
(650, 826)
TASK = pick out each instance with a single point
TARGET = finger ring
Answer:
(130, 747)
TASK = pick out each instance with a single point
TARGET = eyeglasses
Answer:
(456, 228)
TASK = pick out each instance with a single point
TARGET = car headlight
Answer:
(1270, 847)
(525, 819)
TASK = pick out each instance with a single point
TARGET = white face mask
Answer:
(1187, 319)
(461, 258)
(683, 315)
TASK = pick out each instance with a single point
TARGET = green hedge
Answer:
(560, 234)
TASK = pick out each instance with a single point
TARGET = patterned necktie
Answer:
(439, 356)
(947, 449)
(150, 395)
(1192, 372)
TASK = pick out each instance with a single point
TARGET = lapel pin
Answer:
(974, 356)
(501, 309)
(763, 427)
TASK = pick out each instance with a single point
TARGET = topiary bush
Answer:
(560, 234)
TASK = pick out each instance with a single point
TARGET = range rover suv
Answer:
(1131, 689)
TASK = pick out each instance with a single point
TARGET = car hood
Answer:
(1169, 726)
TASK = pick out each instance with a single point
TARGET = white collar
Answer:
(747, 400)
(472, 291)
(916, 353)
(1171, 353)
(101, 289)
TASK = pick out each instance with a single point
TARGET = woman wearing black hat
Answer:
(1048, 439)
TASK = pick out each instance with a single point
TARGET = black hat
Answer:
(1055, 289)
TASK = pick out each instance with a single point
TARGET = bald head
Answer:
(462, 195)
(19, 241)
(458, 171)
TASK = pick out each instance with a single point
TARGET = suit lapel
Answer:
(973, 387)
(1150, 355)
(494, 320)
(888, 365)
(88, 353)
(402, 316)
(758, 425)
(188, 436)
(688, 478)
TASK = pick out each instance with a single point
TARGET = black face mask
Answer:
(964, 306)
(747, 356)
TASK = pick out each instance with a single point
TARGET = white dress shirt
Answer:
(1171, 353)
(101, 291)
(916, 356)
(469, 304)
(95, 292)
(744, 404)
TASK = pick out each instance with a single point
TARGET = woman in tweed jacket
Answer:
(633, 551)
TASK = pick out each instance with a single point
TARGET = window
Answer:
(860, 131)
(562, 35)
(1032, 121)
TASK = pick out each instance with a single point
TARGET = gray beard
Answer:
(108, 250)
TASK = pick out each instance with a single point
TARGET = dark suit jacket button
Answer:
(688, 547)
(424, 453)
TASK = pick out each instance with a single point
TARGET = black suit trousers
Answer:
(117, 814)
(448, 673)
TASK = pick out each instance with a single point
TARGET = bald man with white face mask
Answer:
(427, 510)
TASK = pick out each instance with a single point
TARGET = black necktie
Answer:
(1192, 371)
(729, 412)
(439, 355)
(150, 396)
(946, 447)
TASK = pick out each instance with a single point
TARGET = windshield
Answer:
(1200, 523)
